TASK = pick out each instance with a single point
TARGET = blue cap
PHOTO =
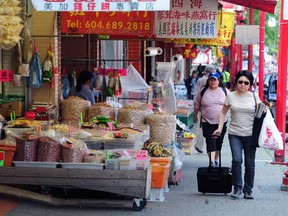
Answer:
(214, 75)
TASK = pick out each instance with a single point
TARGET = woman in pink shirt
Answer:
(210, 102)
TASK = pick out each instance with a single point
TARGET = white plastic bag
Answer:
(270, 137)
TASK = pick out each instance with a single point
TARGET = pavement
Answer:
(184, 199)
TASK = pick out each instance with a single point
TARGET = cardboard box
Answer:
(7, 108)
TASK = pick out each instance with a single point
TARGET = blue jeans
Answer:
(237, 145)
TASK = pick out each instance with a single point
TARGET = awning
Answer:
(263, 5)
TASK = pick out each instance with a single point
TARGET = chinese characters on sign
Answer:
(225, 32)
(101, 5)
(140, 23)
(188, 19)
(6, 75)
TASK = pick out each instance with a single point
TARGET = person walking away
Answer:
(82, 88)
(241, 103)
(200, 84)
(226, 78)
(210, 101)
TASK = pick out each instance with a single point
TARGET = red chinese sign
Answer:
(140, 23)
(6, 75)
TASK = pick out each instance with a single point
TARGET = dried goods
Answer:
(131, 114)
(162, 127)
(156, 150)
(26, 149)
(129, 131)
(74, 153)
(106, 110)
(49, 150)
(72, 107)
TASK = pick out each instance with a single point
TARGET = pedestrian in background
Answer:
(201, 82)
(190, 84)
(210, 101)
(225, 75)
(242, 108)
(82, 88)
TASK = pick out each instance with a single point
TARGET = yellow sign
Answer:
(225, 32)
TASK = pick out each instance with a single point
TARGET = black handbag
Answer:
(257, 125)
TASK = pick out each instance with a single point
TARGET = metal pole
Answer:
(232, 62)
(261, 54)
(279, 156)
(250, 47)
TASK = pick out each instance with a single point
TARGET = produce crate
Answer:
(8, 153)
(26, 149)
(160, 174)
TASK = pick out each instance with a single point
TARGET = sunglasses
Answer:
(245, 82)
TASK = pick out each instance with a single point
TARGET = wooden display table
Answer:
(132, 183)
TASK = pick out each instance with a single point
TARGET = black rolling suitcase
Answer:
(214, 179)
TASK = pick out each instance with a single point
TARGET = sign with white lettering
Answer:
(285, 10)
(101, 5)
(188, 19)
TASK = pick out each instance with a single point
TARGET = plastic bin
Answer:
(160, 174)
(8, 153)
(156, 195)
(26, 149)
(112, 164)
(127, 164)
(161, 160)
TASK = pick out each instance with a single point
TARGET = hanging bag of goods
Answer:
(35, 73)
(162, 127)
(71, 109)
(102, 109)
(132, 114)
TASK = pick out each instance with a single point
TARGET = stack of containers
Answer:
(160, 173)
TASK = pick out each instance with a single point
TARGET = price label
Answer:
(6, 75)
(139, 23)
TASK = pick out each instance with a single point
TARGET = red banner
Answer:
(140, 23)
(6, 75)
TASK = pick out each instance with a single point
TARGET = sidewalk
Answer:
(184, 199)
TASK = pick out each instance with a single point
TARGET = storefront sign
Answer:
(225, 32)
(101, 5)
(139, 23)
(188, 19)
(285, 10)
(6, 75)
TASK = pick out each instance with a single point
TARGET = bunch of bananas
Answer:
(157, 150)
(188, 135)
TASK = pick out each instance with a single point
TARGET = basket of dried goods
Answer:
(49, 149)
(132, 114)
(162, 127)
(74, 152)
(72, 108)
(26, 149)
(102, 109)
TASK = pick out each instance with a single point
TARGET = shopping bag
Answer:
(257, 125)
(270, 137)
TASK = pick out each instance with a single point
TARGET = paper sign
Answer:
(6, 75)
(111, 126)
(188, 19)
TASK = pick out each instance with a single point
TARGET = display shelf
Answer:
(129, 183)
